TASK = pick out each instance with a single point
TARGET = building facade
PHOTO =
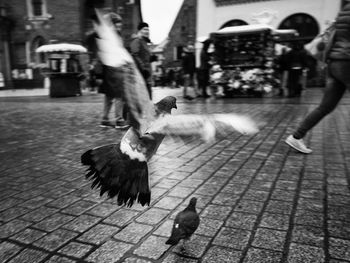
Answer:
(307, 17)
(32, 23)
(197, 19)
(182, 33)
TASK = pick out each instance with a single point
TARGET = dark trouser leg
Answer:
(186, 84)
(107, 107)
(333, 93)
(118, 104)
(205, 82)
(293, 82)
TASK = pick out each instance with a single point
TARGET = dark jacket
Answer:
(142, 55)
(296, 58)
(189, 63)
(204, 60)
(341, 46)
(112, 82)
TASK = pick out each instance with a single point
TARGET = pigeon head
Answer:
(192, 204)
(166, 104)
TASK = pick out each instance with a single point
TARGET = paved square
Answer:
(259, 201)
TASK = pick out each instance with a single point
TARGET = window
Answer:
(234, 22)
(305, 24)
(37, 58)
(37, 8)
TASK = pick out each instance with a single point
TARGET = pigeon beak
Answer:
(175, 107)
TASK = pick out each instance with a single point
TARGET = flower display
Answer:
(244, 81)
(246, 55)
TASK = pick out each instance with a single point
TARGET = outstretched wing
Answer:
(204, 126)
(116, 174)
(120, 63)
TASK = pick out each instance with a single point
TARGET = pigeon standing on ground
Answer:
(121, 169)
(185, 224)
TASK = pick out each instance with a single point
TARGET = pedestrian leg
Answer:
(186, 85)
(332, 95)
(107, 105)
(120, 121)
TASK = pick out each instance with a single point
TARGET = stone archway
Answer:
(305, 24)
(234, 22)
(37, 58)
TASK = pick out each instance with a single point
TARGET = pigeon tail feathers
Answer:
(240, 123)
(172, 241)
(176, 235)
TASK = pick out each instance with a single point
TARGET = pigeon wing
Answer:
(189, 222)
(115, 174)
(204, 126)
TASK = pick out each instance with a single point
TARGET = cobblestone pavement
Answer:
(258, 200)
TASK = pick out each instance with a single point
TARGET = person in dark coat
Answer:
(189, 70)
(171, 78)
(294, 62)
(338, 80)
(141, 53)
(204, 69)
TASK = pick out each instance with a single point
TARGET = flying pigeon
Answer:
(185, 224)
(121, 169)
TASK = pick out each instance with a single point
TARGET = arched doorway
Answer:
(305, 24)
(234, 22)
(37, 58)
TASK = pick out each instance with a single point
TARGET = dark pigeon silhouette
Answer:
(185, 224)
(120, 169)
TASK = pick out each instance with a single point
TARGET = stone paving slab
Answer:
(258, 200)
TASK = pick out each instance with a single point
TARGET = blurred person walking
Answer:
(338, 80)
(142, 55)
(204, 69)
(112, 92)
(189, 70)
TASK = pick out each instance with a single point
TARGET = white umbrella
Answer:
(62, 47)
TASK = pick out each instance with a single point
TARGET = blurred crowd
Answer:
(286, 75)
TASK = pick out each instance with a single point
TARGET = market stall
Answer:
(244, 59)
(64, 70)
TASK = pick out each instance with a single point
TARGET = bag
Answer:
(320, 46)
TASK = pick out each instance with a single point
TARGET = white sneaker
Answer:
(297, 144)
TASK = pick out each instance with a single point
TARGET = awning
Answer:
(62, 47)
(244, 29)
(255, 28)
(286, 32)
